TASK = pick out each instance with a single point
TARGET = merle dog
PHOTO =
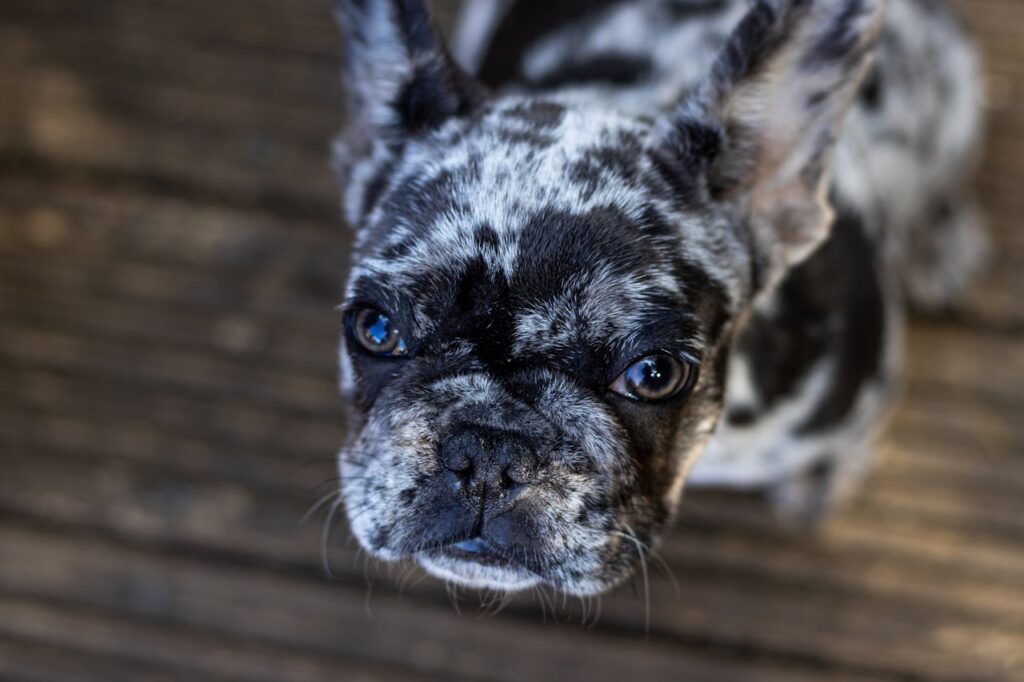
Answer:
(647, 242)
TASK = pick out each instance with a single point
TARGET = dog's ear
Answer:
(401, 79)
(762, 126)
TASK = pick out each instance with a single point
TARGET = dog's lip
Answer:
(475, 563)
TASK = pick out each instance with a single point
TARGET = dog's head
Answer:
(539, 310)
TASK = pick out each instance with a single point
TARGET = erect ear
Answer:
(763, 124)
(401, 78)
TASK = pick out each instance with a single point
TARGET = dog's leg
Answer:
(944, 253)
(809, 499)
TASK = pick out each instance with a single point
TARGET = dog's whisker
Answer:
(316, 506)
(631, 536)
(367, 598)
(325, 536)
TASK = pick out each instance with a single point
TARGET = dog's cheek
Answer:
(571, 537)
(596, 497)
(383, 474)
(371, 378)
(595, 553)
(583, 526)
(663, 442)
(696, 427)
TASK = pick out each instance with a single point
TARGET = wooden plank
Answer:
(928, 459)
(261, 445)
(329, 619)
(126, 321)
(253, 464)
(205, 437)
(258, 447)
(949, 356)
(995, 300)
(211, 236)
(77, 60)
(151, 457)
(234, 167)
(64, 119)
(83, 219)
(184, 371)
(944, 354)
(305, 27)
(161, 510)
(43, 631)
(22, 661)
(944, 360)
(243, 336)
(992, 426)
(173, 287)
(303, 126)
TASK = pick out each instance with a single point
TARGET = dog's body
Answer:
(652, 179)
(815, 366)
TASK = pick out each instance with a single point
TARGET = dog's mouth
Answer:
(477, 563)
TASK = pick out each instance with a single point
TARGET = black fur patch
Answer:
(521, 29)
(683, 10)
(831, 304)
(858, 345)
(610, 68)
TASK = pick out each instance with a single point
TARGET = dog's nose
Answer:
(487, 463)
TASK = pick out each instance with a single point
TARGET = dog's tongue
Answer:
(474, 546)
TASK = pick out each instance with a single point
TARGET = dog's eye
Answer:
(375, 332)
(654, 378)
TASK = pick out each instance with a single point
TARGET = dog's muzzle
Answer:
(487, 470)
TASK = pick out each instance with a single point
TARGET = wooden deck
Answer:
(169, 258)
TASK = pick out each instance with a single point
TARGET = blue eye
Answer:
(375, 332)
(656, 377)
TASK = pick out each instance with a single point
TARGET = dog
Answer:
(628, 244)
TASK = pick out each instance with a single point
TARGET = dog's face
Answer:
(533, 342)
(538, 314)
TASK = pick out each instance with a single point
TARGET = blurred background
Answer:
(170, 256)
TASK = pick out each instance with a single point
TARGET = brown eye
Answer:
(654, 378)
(375, 332)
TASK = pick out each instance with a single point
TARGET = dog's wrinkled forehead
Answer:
(559, 220)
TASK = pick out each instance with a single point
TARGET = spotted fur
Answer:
(680, 176)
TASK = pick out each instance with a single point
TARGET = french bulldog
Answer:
(635, 244)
